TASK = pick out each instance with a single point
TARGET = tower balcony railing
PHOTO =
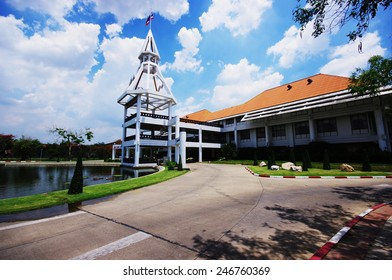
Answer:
(149, 115)
(144, 136)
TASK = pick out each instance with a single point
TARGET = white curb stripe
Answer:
(114, 246)
(41, 220)
(336, 238)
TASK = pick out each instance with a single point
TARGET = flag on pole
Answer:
(150, 17)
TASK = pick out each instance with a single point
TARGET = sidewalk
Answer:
(366, 237)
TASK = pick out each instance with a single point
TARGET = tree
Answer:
(371, 80)
(329, 14)
(26, 147)
(75, 138)
(72, 138)
(6, 144)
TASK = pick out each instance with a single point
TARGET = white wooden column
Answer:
(267, 136)
(200, 145)
(169, 132)
(137, 138)
(381, 135)
(183, 148)
(312, 132)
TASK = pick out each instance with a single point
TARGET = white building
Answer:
(316, 108)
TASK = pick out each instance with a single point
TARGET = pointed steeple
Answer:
(149, 81)
(149, 49)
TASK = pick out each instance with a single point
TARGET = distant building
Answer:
(316, 108)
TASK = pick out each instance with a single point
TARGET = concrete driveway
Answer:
(214, 211)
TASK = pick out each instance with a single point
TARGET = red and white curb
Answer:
(317, 177)
(324, 250)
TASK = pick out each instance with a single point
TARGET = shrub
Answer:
(171, 165)
(326, 163)
(307, 159)
(180, 164)
(292, 156)
(366, 162)
(271, 158)
(77, 178)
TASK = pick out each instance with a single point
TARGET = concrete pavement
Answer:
(214, 211)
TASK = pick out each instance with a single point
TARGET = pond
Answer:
(16, 181)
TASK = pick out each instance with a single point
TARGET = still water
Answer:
(16, 181)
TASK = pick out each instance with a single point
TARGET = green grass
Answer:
(317, 170)
(20, 204)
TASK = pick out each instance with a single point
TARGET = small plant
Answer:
(171, 165)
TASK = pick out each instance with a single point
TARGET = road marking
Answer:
(114, 246)
(41, 220)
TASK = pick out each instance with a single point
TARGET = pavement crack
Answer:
(143, 231)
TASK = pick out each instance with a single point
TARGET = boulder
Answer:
(262, 164)
(296, 168)
(274, 167)
(346, 168)
(287, 165)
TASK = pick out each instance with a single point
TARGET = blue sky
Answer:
(65, 63)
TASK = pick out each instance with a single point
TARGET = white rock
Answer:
(262, 164)
(274, 167)
(287, 165)
(296, 168)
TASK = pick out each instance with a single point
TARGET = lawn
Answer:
(19, 204)
(317, 170)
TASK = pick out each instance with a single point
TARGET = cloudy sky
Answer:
(65, 63)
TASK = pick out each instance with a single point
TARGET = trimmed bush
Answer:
(326, 163)
(76, 185)
(366, 162)
(292, 156)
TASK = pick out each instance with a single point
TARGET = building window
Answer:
(260, 132)
(327, 127)
(244, 134)
(362, 123)
(278, 132)
(229, 122)
(301, 130)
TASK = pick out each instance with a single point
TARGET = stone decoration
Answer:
(296, 168)
(262, 164)
(275, 167)
(346, 168)
(287, 165)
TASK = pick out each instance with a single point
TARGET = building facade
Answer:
(314, 109)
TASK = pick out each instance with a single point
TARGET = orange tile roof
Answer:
(302, 89)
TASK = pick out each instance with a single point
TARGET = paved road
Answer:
(214, 211)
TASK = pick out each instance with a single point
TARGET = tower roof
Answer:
(148, 81)
(149, 46)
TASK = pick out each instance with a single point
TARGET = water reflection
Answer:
(18, 181)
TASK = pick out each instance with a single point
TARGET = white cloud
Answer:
(239, 16)
(188, 106)
(43, 79)
(185, 60)
(296, 46)
(55, 8)
(113, 30)
(238, 83)
(346, 58)
(125, 10)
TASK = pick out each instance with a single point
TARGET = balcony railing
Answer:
(149, 115)
(143, 136)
